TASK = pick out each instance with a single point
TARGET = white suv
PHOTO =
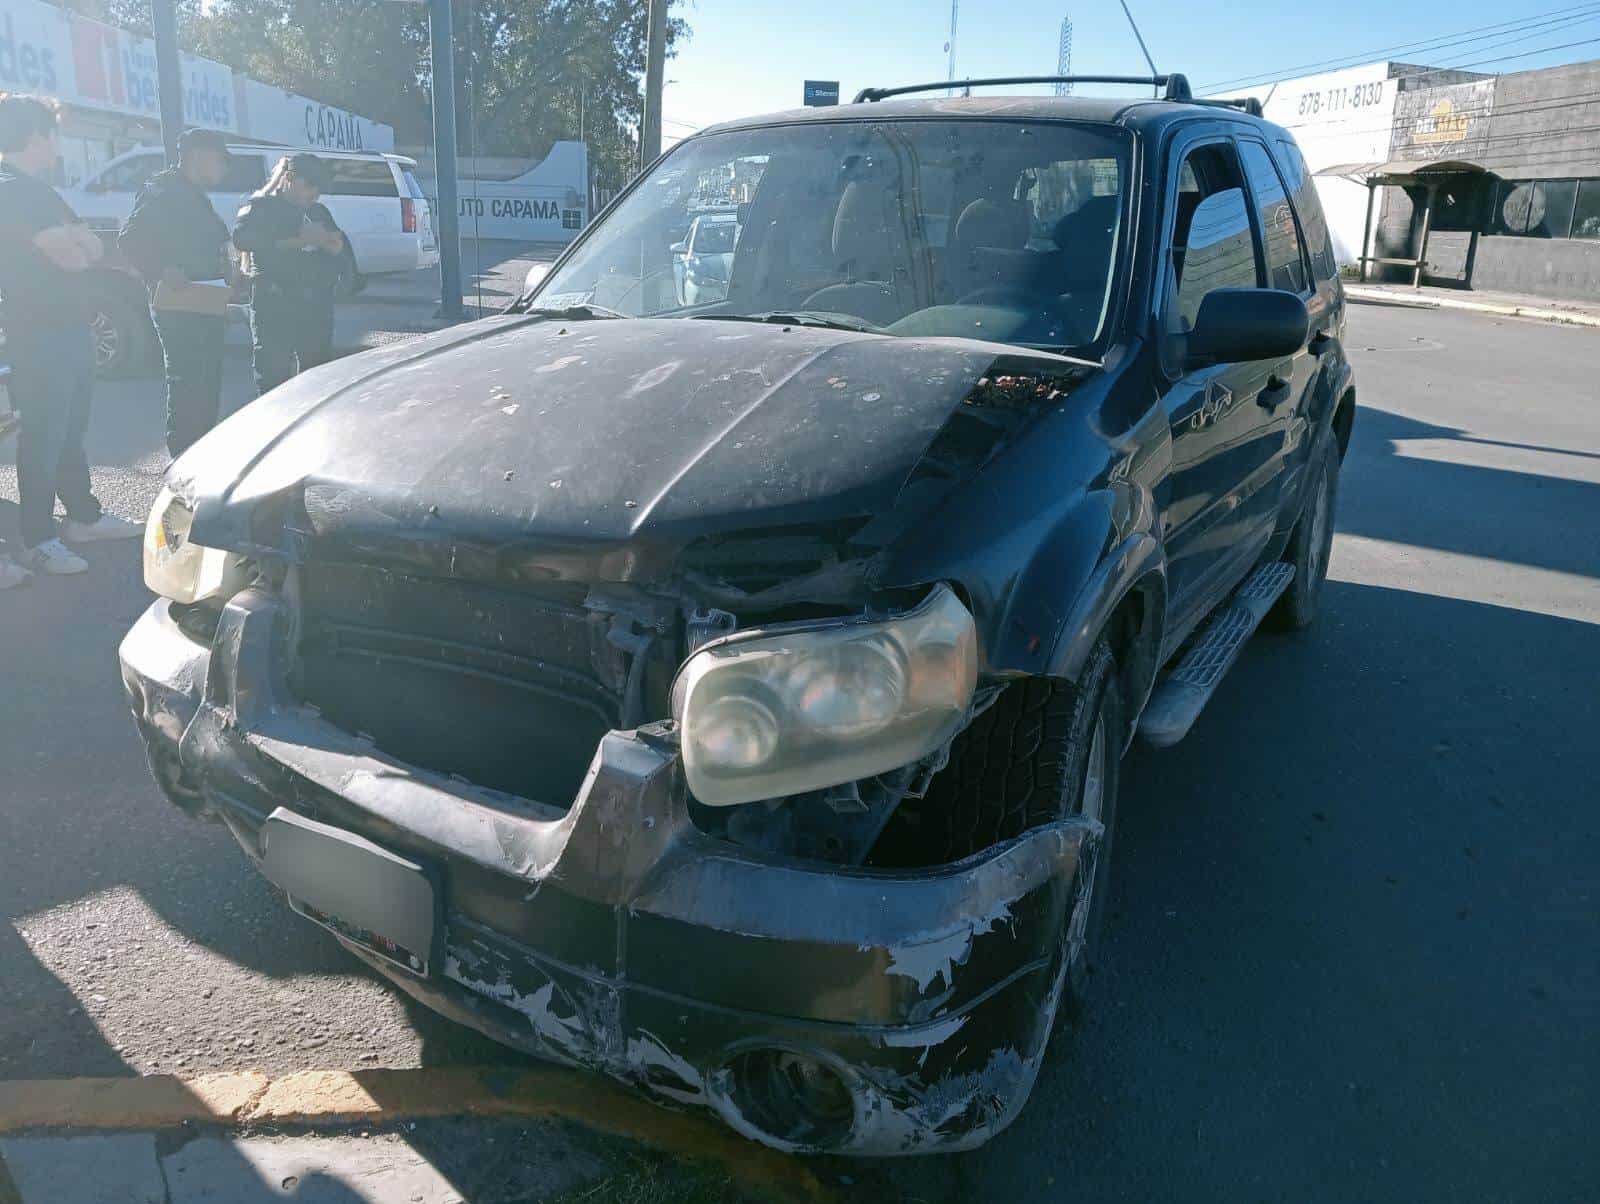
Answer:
(375, 198)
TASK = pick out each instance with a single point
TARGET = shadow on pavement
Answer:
(1363, 841)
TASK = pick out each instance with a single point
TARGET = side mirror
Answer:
(1235, 325)
(679, 248)
(535, 277)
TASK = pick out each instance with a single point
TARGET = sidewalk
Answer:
(1510, 305)
(426, 1136)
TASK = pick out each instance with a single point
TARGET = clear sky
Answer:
(752, 56)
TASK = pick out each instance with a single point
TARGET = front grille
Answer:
(496, 686)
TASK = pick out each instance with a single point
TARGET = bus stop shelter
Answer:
(1403, 173)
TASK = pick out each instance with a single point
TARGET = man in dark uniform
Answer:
(174, 237)
(292, 251)
(44, 249)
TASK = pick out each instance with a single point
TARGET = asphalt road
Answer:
(1354, 944)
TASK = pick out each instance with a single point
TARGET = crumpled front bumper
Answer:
(619, 937)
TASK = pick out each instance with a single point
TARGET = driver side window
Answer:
(1212, 243)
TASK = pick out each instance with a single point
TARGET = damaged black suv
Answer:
(714, 670)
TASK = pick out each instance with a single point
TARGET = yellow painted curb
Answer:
(156, 1101)
(329, 1097)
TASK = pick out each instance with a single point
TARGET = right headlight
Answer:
(821, 705)
(177, 568)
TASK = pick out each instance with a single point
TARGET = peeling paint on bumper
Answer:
(618, 937)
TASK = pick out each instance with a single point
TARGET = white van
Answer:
(375, 198)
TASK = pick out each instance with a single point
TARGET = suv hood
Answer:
(518, 430)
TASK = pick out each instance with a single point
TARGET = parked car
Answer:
(730, 697)
(704, 257)
(374, 197)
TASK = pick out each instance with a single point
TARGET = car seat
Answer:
(872, 252)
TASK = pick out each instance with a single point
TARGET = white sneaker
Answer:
(12, 574)
(54, 559)
(107, 526)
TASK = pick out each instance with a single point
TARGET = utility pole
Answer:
(169, 75)
(654, 68)
(441, 32)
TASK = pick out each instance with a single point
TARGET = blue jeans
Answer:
(52, 385)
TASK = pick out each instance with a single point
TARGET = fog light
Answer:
(792, 1098)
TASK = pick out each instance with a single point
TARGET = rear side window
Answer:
(361, 177)
(413, 189)
(1286, 267)
(245, 173)
(1303, 192)
(130, 175)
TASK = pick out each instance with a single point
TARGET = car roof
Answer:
(1145, 114)
(270, 149)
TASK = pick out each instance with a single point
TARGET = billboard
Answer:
(273, 115)
(1449, 122)
(548, 203)
(113, 69)
(47, 50)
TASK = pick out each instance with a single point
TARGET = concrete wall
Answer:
(1568, 268)
(1543, 125)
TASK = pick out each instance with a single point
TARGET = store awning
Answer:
(1402, 171)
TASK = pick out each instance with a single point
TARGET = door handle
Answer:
(1274, 394)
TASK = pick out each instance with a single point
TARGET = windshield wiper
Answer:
(799, 317)
(577, 312)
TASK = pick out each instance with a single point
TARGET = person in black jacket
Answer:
(44, 309)
(291, 256)
(174, 237)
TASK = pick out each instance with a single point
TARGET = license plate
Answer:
(372, 897)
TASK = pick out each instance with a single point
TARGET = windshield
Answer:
(714, 239)
(996, 230)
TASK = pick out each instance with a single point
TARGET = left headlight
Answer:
(179, 569)
(817, 706)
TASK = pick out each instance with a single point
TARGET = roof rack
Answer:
(1245, 104)
(1176, 86)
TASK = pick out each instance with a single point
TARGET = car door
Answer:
(1324, 301)
(1212, 518)
(1285, 399)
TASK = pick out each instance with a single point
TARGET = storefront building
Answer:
(1455, 178)
(105, 79)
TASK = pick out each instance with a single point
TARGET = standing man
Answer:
(175, 238)
(44, 249)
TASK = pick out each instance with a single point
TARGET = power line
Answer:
(1436, 43)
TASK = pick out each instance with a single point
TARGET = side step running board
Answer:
(1179, 699)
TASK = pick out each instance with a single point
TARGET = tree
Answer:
(528, 72)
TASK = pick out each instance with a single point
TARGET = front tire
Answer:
(1046, 750)
(1309, 547)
